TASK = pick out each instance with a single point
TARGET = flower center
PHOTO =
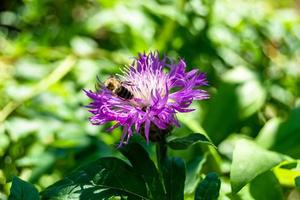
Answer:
(145, 85)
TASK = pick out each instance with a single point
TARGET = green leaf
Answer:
(297, 181)
(209, 188)
(276, 130)
(192, 169)
(266, 136)
(249, 161)
(174, 177)
(215, 124)
(101, 179)
(265, 187)
(288, 132)
(144, 166)
(185, 142)
(22, 190)
(233, 103)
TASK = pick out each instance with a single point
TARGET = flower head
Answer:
(156, 95)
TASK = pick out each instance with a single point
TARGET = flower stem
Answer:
(161, 152)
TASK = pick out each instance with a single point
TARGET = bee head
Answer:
(112, 84)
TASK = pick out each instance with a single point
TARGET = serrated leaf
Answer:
(22, 190)
(209, 188)
(249, 161)
(187, 141)
(266, 186)
(143, 165)
(103, 178)
(174, 177)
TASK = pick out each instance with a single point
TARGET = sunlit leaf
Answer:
(105, 177)
(286, 177)
(249, 160)
(192, 170)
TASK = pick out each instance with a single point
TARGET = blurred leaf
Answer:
(294, 194)
(21, 190)
(266, 136)
(217, 125)
(174, 177)
(288, 132)
(265, 187)
(4, 140)
(187, 141)
(20, 127)
(144, 166)
(83, 45)
(32, 69)
(209, 188)
(249, 161)
(239, 74)
(297, 181)
(101, 179)
(286, 177)
(250, 104)
(40, 168)
(248, 84)
(193, 168)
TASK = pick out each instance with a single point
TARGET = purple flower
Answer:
(157, 95)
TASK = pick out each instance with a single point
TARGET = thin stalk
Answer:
(161, 152)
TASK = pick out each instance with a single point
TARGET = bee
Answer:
(117, 87)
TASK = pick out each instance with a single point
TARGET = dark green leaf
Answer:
(103, 178)
(144, 166)
(185, 142)
(209, 188)
(21, 190)
(297, 181)
(174, 177)
(288, 132)
(265, 187)
(216, 125)
(249, 161)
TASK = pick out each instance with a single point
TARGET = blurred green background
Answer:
(52, 49)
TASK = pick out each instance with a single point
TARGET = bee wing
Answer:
(98, 84)
(127, 83)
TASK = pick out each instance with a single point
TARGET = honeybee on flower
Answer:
(147, 105)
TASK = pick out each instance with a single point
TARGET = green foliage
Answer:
(297, 181)
(111, 177)
(185, 142)
(173, 170)
(209, 188)
(249, 161)
(143, 165)
(21, 190)
(101, 179)
(266, 186)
